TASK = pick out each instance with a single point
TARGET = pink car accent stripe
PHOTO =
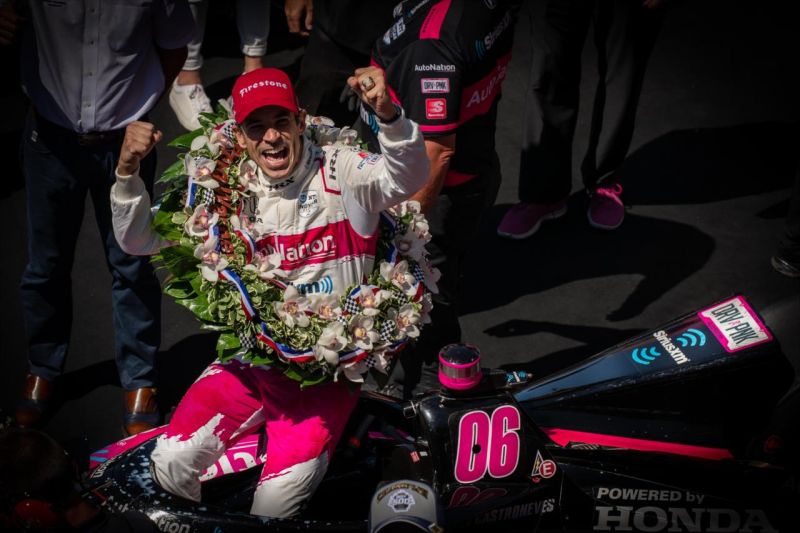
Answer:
(562, 437)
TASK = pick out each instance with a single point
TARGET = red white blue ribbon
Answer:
(249, 244)
(191, 192)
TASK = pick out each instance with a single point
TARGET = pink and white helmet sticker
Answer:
(488, 444)
(735, 325)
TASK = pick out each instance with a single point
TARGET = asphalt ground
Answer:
(706, 184)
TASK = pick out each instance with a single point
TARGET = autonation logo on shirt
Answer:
(435, 67)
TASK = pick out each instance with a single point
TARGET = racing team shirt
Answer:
(445, 62)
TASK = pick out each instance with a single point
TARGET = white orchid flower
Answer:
(248, 176)
(222, 134)
(355, 371)
(212, 261)
(410, 244)
(362, 332)
(199, 169)
(201, 141)
(327, 306)
(399, 276)
(406, 319)
(371, 299)
(382, 358)
(420, 226)
(292, 311)
(267, 266)
(244, 223)
(430, 275)
(347, 136)
(330, 343)
(200, 221)
(404, 208)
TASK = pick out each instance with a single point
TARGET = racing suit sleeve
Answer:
(131, 217)
(375, 182)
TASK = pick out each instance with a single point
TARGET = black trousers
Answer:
(454, 223)
(624, 35)
(324, 70)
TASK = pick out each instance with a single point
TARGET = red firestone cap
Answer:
(259, 88)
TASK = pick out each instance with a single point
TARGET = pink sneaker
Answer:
(606, 210)
(524, 219)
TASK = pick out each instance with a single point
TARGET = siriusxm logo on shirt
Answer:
(435, 67)
(482, 47)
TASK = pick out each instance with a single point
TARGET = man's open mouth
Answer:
(275, 157)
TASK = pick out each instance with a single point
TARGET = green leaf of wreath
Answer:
(174, 171)
(184, 142)
(227, 345)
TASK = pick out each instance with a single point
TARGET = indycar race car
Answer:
(654, 434)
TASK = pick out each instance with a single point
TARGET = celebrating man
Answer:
(350, 189)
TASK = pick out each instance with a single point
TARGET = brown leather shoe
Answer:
(141, 410)
(35, 401)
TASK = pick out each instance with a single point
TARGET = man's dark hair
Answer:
(33, 465)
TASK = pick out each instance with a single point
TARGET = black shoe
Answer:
(786, 266)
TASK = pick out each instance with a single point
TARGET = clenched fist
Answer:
(370, 85)
(140, 137)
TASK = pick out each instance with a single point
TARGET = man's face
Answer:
(272, 137)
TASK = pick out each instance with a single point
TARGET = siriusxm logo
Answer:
(691, 338)
(482, 47)
(323, 286)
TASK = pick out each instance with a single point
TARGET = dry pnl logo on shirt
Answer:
(435, 85)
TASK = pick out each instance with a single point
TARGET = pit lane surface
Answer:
(707, 182)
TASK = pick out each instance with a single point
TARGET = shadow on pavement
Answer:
(593, 339)
(706, 165)
(568, 250)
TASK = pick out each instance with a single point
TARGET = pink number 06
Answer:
(487, 444)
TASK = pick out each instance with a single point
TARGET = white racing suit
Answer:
(323, 220)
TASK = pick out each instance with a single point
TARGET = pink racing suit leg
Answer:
(303, 427)
(221, 406)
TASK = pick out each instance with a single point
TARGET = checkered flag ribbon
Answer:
(228, 129)
(351, 305)
(401, 228)
(400, 297)
(387, 330)
(206, 196)
(418, 274)
(370, 361)
(342, 320)
(248, 342)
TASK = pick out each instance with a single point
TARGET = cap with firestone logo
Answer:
(259, 88)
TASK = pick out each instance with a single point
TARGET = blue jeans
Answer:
(58, 174)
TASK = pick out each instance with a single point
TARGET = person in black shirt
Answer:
(341, 34)
(445, 62)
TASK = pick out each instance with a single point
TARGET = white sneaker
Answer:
(188, 101)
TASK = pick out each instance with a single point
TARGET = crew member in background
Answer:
(445, 63)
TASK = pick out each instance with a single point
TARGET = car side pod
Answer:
(698, 385)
